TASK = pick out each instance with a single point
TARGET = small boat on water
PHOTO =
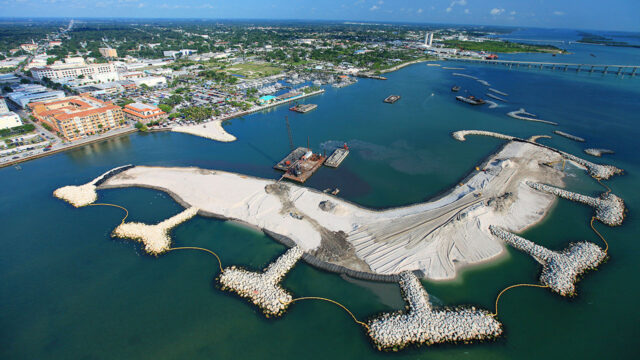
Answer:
(455, 88)
(391, 99)
(471, 100)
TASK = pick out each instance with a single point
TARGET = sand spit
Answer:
(263, 289)
(461, 134)
(211, 130)
(598, 152)
(568, 136)
(465, 75)
(496, 97)
(598, 171)
(535, 138)
(609, 208)
(155, 238)
(518, 114)
(498, 92)
(82, 195)
(560, 270)
(492, 105)
(423, 324)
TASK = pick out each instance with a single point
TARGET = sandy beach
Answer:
(211, 130)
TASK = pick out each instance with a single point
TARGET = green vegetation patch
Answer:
(502, 46)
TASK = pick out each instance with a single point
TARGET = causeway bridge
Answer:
(619, 70)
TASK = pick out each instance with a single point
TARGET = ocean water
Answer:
(69, 291)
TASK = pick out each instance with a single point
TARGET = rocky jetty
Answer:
(465, 75)
(77, 195)
(568, 136)
(498, 92)
(609, 208)
(523, 115)
(496, 97)
(263, 289)
(598, 152)
(492, 105)
(83, 195)
(155, 238)
(461, 134)
(598, 171)
(560, 270)
(423, 324)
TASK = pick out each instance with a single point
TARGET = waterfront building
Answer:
(9, 120)
(108, 52)
(143, 113)
(78, 116)
(24, 94)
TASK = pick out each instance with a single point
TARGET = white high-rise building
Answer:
(3, 106)
(428, 39)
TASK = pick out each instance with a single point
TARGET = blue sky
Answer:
(581, 14)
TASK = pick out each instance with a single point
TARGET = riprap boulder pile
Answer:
(609, 208)
(155, 238)
(560, 270)
(263, 289)
(83, 195)
(422, 324)
(598, 171)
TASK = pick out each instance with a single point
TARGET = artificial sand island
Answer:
(468, 225)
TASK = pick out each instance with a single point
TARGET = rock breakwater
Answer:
(560, 270)
(609, 208)
(422, 324)
(263, 289)
(155, 238)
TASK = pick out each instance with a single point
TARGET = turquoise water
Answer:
(69, 291)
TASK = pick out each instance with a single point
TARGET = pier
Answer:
(618, 70)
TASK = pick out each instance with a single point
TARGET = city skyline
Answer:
(617, 16)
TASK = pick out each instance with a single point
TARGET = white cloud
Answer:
(374, 8)
(380, 2)
(558, 13)
(419, 11)
(513, 12)
(454, 3)
(496, 11)
(466, 11)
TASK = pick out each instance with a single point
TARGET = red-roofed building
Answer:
(143, 113)
(75, 117)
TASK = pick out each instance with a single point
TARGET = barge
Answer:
(455, 88)
(303, 108)
(337, 157)
(300, 164)
(471, 100)
(391, 99)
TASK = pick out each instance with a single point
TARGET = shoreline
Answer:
(70, 147)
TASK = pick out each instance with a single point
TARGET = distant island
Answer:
(588, 38)
(503, 47)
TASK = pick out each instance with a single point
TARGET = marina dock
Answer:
(300, 164)
(337, 157)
